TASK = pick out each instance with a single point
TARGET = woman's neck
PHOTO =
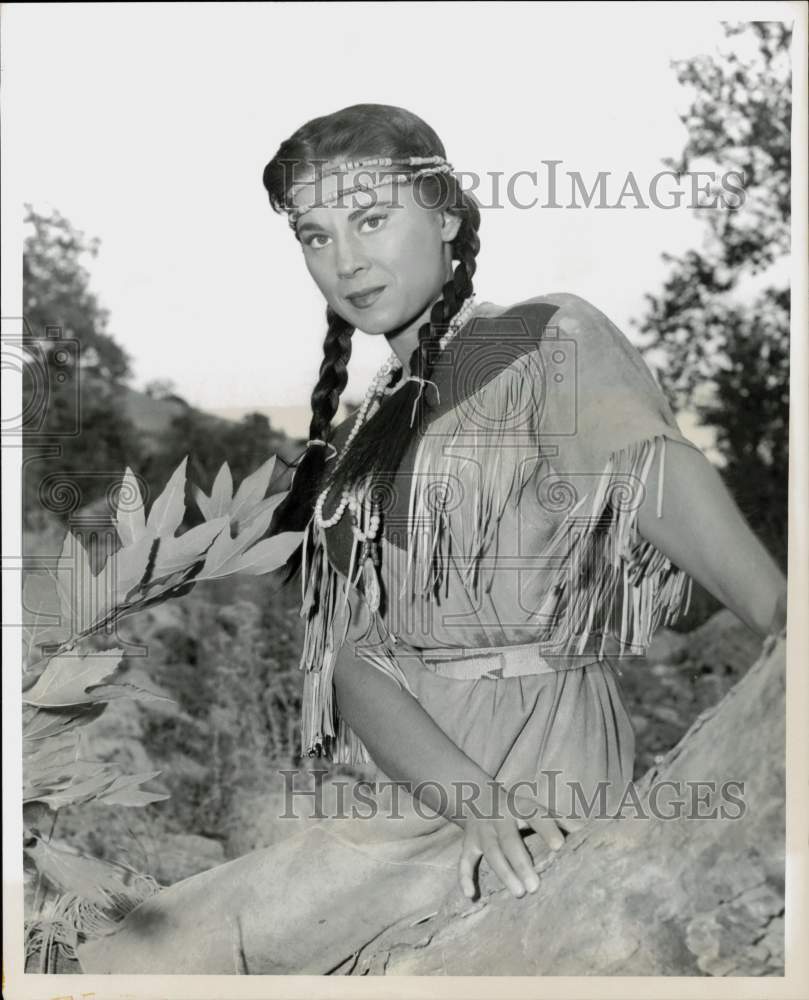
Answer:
(404, 340)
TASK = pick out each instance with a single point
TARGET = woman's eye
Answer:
(318, 241)
(373, 222)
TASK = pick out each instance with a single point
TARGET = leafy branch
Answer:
(67, 685)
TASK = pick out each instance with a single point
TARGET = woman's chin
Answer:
(372, 331)
(376, 322)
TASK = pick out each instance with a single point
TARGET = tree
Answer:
(160, 388)
(210, 441)
(56, 292)
(77, 437)
(721, 322)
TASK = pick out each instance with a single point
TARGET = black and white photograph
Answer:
(404, 499)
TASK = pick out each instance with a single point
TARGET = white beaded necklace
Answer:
(365, 511)
(376, 388)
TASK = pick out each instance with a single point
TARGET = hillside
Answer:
(153, 416)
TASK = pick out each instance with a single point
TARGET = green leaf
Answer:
(268, 503)
(252, 490)
(258, 521)
(88, 784)
(133, 797)
(60, 750)
(203, 501)
(168, 510)
(179, 553)
(227, 555)
(123, 791)
(222, 492)
(64, 578)
(223, 549)
(42, 723)
(111, 692)
(60, 774)
(130, 520)
(268, 555)
(65, 680)
(83, 597)
(42, 620)
(218, 503)
(128, 565)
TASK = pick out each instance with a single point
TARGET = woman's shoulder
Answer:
(572, 350)
(544, 321)
(564, 307)
(498, 335)
(563, 310)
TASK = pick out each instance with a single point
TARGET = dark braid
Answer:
(333, 376)
(369, 130)
(293, 513)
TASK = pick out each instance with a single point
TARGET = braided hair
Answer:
(359, 131)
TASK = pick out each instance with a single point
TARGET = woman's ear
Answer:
(450, 224)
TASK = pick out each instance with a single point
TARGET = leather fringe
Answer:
(608, 579)
(602, 579)
(483, 425)
(327, 609)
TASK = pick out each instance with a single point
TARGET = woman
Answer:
(512, 510)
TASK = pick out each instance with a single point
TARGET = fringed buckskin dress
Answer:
(512, 579)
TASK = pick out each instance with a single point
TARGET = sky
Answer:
(148, 126)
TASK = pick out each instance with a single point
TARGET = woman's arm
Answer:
(401, 737)
(409, 746)
(704, 533)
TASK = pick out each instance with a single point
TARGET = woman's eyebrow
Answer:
(304, 226)
(368, 208)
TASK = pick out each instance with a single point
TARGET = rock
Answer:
(184, 854)
(723, 645)
(639, 723)
(673, 897)
(667, 646)
(667, 714)
(259, 819)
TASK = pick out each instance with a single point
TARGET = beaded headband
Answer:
(399, 169)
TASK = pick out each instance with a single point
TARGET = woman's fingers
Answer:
(534, 815)
(502, 868)
(470, 858)
(572, 825)
(499, 841)
(518, 858)
(489, 847)
(550, 832)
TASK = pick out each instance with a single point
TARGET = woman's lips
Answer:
(366, 299)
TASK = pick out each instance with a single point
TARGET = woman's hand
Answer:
(495, 835)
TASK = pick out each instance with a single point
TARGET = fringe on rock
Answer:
(51, 939)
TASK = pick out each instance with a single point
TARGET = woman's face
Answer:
(379, 257)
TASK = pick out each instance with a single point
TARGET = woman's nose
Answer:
(350, 260)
